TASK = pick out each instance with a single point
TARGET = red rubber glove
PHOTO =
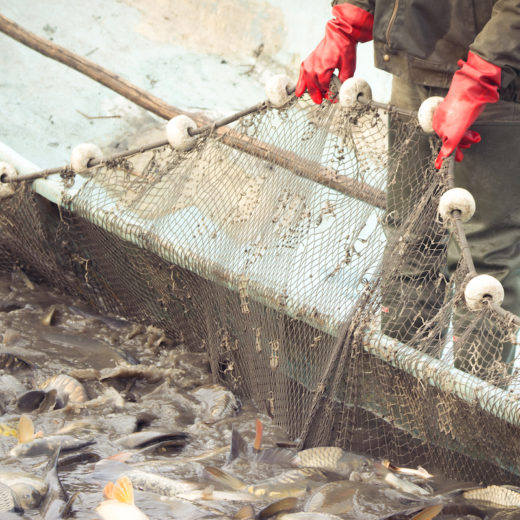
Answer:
(337, 50)
(473, 86)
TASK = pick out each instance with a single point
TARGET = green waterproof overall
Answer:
(491, 172)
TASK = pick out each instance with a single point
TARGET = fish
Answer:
(32, 444)
(115, 323)
(277, 508)
(210, 494)
(428, 513)
(217, 402)
(56, 504)
(28, 489)
(159, 484)
(119, 503)
(14, 363)
(495, 496)
(381, 475)
(165, 441)
(8, 500)
(308, 516)
(419, 472)
(326, 458)
(292, 483)
(245, 513)
(367, 501)
(68, 389)
(54, 393)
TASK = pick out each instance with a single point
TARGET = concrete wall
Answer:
(200, 55)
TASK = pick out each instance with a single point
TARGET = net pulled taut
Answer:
(293, 249)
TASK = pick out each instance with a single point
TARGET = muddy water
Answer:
(163, 387)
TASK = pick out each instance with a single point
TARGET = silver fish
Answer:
(8, 500)
(56, 503)
(367, 501)
(218, 402)
(28, 489)
(148, 438)
(292, 483)
(48, 445)
(326, 458)
(159, 484)
(308, 516)
(495, 496)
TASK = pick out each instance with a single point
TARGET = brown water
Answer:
(168, 392)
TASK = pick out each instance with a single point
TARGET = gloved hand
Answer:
(473, 86)
(337, 50)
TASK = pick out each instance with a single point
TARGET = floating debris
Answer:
(217, 401)
(14, 363)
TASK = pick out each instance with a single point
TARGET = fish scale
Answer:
(495, 495)
(320, 456)
(7, 502)
(297, 476)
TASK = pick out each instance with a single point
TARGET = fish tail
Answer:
(123, 490)
(26, 430)
(225, 478)
(108, 491)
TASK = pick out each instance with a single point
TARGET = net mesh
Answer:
(302, 248)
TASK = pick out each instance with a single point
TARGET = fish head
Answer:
(352, 462)
(26, 495)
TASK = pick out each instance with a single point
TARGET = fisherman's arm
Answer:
(493, 63)
(352, 23)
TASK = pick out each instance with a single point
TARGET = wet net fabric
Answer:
(302, 248)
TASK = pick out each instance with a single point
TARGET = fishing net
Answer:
(303, 249)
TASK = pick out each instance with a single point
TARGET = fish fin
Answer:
(280, 506)
(66, 512)
(258, 438)
(207, 493)
(246, 513)
(225, 478)
(49, 401)
(108, 491)
(281, 456)
(123, 490)
(238, 446)
(428, 513)
(26, 429)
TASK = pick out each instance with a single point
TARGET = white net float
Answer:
(483, 287)
(426, 111)
(352, 89)
(83, 154)
(276, 89)
(177, 132)
(457, 199)
(7, 189)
